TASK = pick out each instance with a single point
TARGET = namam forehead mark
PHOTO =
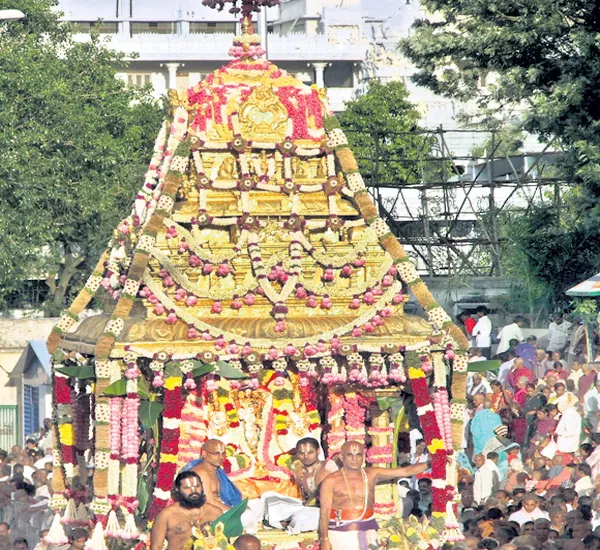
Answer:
(306, 447)
(353, 447)
(190, 482)
(214, 446)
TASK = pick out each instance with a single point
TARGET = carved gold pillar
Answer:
(382, 433)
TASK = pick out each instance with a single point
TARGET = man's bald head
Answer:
(213, 445)
(247, 542)
(353, 455)
(353, 446)
(214, 452)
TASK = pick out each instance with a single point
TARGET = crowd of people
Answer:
(25, 490)
(530, 470)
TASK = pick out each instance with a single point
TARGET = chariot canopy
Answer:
(254, 294)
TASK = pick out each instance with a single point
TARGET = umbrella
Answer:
(586, 289)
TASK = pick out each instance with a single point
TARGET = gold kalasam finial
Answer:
(247, 25)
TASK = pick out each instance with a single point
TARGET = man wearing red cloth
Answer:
(347, 497)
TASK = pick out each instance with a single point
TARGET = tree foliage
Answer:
(75, 143)
(544, 257)
(539, 59)
(383, 130)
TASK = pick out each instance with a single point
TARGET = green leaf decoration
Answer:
(143, 495)
(201, 369)
(143, 388)
(225, 370)
(81, 373)
(391, 403)
(116, 389)
(384, 403)
(149, 412)
(484, 366)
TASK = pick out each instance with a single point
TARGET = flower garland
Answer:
(441, 404)
(193, 244)
(354, 414)
(308, 396)
(193, 427)
(58, 501)
(335, 420)
(267, 436)
(259, 343)
(337, 260)
(146, 198)
(237, 462)
(433, 437)
(129, 442)
(114, 466)
(169, 446)
(226, 404)
(282, 404)
(63, 395)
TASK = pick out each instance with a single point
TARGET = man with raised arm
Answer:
(189, 509)
(347, 498)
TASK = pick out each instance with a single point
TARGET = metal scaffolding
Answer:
(446, 206)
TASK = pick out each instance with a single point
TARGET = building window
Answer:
(339, 75)
(212, 27)
(168, 27)
(139, 80)
(103, 27)
(31, 410)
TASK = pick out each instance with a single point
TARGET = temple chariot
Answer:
(254, 295)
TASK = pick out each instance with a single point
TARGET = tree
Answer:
(540, 59)
(75, 143)
(383, 130)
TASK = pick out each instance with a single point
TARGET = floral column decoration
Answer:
(380, 455)
(64, 409)
(62, 397)
(100, 505)
(169, 444)
(130, 439)
(460, 364)
(433, 437)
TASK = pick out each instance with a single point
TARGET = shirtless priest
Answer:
(347, 497)
(189, 509)
(213, 477)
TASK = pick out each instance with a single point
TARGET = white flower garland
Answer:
(199, 250)
(335, 260)
(183, 281)
(265, 343)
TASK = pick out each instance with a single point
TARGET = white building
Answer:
(339, 44)
(179, 42)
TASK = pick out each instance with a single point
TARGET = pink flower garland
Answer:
(442, 414)
(337, 437)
